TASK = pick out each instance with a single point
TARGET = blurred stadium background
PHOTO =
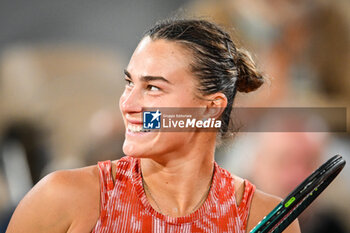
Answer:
(61, 75)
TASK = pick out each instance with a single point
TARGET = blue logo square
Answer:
(151, 120)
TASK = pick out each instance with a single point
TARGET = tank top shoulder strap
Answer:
(106, 180)
(244, 206)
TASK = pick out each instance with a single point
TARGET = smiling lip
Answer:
(133, 120)
(134, 126)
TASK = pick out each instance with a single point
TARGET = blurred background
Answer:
(61, 75)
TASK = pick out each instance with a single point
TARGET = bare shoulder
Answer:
(262, 204)
(59, 202)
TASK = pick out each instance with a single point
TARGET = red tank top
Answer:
(125, 208)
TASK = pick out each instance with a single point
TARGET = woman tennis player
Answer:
(167, 182)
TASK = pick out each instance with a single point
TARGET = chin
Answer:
(153, 145)
(140, 144)
(134, 149)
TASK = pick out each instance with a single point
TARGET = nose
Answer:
(130, 102)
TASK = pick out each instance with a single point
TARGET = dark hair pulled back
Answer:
(218, 64)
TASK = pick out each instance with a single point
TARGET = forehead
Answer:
(159, 57)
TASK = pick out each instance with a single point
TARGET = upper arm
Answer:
(59, 201)
(41, 210)
(262, 204)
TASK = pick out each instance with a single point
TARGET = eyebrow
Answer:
(148, 78)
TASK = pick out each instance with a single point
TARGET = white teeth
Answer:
(135, 128)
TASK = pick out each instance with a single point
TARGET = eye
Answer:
(153, 88)
(129, 83)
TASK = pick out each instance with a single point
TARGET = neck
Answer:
(178, 182)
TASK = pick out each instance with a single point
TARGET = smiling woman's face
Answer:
(158, 75)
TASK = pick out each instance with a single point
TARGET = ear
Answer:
(216, 104)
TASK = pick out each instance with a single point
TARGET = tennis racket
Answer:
(300, 198)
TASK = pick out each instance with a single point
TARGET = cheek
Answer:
(178, 100)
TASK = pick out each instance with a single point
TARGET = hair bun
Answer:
(249, 79)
